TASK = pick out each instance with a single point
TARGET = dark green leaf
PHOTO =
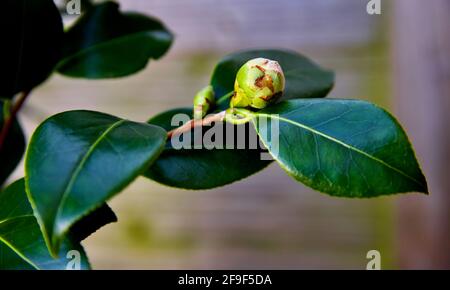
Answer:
(77, 160)
(304, 78)
(92, 223)
(105, 43)
(12, 150)
(344, 148)
(201, 168)
(31, 32)
(21, 243)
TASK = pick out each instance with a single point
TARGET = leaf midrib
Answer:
(342, 144)
(78, 169)
(8, 219)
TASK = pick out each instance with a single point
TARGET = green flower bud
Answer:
(203, 101)
(259, 82)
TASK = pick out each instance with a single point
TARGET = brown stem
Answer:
(219, 117)
(12, 116)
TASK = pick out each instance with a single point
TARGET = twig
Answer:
(219, 117)
(12, 116)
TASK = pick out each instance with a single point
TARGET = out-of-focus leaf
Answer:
(31, 33)
(107, 43)
(12, 150)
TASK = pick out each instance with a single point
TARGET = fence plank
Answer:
(422, 76)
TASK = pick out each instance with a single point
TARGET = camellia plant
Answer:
(76, 161)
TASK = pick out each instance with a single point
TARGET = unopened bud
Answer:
(203, 101)
(259, 82)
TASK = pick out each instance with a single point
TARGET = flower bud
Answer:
(259, 82)
(203, 101)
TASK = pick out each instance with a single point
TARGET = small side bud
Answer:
(203, 101)
(259, 82)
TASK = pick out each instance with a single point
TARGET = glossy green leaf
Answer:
(345, 148)
(22, 246)
(106, 43)
(304, 78)
(201, 168)
(12, 150)
(31, 32)
(79, 159)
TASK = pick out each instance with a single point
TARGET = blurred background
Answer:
(399, 60)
